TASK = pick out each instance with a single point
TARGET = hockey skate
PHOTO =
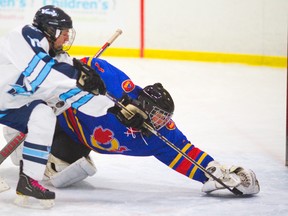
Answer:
(234, 177)
(28, 188)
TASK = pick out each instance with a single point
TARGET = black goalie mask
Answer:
(157, 104)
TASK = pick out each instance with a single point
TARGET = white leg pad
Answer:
(66, 174)
(3, 185)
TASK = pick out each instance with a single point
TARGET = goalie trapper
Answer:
(237, 177)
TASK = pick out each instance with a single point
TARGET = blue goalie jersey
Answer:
(104, 133)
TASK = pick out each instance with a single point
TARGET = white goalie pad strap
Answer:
(3, 185)
(53, 166)
(74, 173)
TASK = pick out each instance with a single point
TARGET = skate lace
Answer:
(35, 183)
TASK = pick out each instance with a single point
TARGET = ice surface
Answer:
(234, 112)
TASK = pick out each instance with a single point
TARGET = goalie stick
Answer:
(6, 151)
(173, 146)
(11, 146)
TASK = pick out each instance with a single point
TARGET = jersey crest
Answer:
(104, 139)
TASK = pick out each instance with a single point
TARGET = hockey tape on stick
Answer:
(108, 43)
(11, 146)
(173, 146)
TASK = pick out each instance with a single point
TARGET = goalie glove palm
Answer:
(88, 79)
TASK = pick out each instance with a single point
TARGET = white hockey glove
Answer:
(234, 177)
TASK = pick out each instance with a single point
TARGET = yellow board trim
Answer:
(256, 60)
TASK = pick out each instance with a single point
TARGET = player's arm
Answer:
(88, 79)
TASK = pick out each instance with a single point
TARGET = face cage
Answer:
(159, 118)
(67, 45)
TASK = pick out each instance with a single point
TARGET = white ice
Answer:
(236, 113)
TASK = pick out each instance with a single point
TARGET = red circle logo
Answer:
(128, 86)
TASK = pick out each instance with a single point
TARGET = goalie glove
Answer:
(131, 115)
(234, 177)
(88, 79)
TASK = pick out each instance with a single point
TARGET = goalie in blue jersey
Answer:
(101, 126)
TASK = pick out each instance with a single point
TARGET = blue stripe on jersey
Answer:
(33, 63)
(42, 75)
(69, 94)
(2, 115)
(83, 100)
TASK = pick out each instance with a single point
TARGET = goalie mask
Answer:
(157, 104)
(52, 21)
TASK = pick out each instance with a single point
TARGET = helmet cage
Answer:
(159, 117)
(157, 104)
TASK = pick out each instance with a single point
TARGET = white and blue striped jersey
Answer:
(29, 73)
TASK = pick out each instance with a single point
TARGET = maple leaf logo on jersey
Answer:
(104, 139)
(103, 136)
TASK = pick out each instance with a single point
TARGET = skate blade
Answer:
(31, 202)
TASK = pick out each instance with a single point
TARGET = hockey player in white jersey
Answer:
(35, 69)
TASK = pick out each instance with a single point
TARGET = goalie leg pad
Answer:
(3, 185)
(72, 173)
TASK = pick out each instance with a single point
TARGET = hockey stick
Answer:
(173, 146)
(11, 146)
(108, 43)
